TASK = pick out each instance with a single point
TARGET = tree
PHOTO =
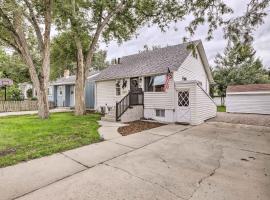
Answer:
(20, 29)
(120, 19)
(64, 55)
(11, 66)
(238, 66)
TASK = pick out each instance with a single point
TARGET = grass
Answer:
(27, 137)
(221, 108)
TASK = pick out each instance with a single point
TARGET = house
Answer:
(62, 91)
(251, 98)
(26, 90)
(168, 84)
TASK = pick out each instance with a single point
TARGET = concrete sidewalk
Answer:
(5, 114)
(109, 130)
(211, 161)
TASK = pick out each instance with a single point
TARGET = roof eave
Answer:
(205, 62)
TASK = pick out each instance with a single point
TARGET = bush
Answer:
(34, 98)
(14, 93)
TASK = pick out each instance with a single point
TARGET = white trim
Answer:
(256, 92)
(66, 83)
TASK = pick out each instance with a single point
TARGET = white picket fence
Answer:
(16, 106)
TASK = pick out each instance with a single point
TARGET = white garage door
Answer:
(248, 103)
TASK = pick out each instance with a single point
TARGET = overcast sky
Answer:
(153, 36)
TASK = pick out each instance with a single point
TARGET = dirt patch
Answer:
(7, 152)
(138, 126)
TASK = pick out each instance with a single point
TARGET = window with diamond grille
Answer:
(183, 98)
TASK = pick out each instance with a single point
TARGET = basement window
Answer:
(160, 112)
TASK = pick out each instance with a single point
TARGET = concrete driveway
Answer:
(212, 161)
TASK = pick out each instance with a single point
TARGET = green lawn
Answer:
(221, 108)
(26, 137)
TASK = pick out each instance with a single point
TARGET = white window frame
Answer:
(160, 113)
(153, 79)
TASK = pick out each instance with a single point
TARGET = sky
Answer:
(152, 36)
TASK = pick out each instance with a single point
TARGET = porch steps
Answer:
(110, 116)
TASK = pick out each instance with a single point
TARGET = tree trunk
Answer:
(40, 81)
(43, 104)
(80, 81)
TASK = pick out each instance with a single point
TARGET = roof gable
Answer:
(150, 62)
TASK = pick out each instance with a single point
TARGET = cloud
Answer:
(153, 36)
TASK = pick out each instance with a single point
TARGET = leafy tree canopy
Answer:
(64, 54)
(11, 66)
(238, 66)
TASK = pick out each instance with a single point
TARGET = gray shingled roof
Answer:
(64, 80)
(148, 62)
(70, 80)
(248, 88)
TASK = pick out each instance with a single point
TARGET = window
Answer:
(49, 91)
(184, 78)
(118, 88)
(183, 98)
(60, 90)
(160, 113)
(155, 83)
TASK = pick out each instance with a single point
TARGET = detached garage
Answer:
(252, 98)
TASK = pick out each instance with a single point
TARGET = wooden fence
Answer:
(16, 106)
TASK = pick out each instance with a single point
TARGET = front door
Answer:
(72, 96)
(60, 96)
(183, 106)
(134, 85)
(134, 91)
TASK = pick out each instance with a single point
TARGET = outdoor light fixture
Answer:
(4, 82)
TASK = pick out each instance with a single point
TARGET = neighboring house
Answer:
(24, 87)
(252, 98)
(134, 87)
(62, 91)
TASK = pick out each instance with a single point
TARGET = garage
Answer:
(252, 98)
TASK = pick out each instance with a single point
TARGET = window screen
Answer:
(183, 98)
(118, 88)
(155, 83)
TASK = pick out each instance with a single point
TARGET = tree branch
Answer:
(98, 32)
(33, 20)
(9, 25)
(10, 43)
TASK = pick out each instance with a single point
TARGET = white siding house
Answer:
(253, 98)
(171, 84)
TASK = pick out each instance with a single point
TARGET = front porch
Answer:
(130, 97)
(63, 95)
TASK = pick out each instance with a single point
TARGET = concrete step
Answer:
(110, 115)
(108, 119)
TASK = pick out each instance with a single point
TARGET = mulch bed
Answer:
(138, 126)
